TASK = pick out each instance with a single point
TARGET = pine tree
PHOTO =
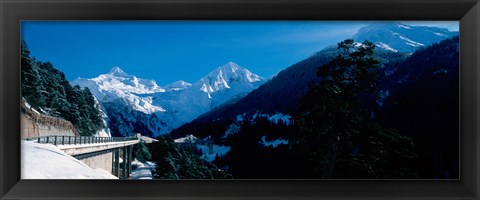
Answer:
(338, 135)
(179, 162)
(141, 152)
(44, 86)
(31, 86)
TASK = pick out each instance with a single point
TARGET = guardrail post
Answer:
(48, 139)
(80, 140)
(55, 141)
(39, 140)
(63, 140)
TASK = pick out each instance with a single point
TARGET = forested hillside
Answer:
(279, 95)
(46, 89)
(423, 103)
(395, 118)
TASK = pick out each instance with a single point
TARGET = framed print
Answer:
(240, 99)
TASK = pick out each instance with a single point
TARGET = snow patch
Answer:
(217, 149)
(274, 118)
(46, 161)
(386, 47)
(273, 143)
(403, 26)
(232, 129)
(411, 42)
(280, 117)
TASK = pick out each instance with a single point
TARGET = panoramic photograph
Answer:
(240, 100)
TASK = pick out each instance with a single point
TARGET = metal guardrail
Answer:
(69, 140)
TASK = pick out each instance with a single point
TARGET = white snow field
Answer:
(46, 161)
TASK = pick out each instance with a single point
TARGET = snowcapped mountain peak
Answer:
(399, 37)
(117, 84)
(388, 25)
(177, 85)
(134, 103)
(230, 66)
(116, 71)
(228, 75)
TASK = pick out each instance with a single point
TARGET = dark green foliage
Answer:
(141, 152)
(249, 158)
(45, 87)
(344, 132)
(179, 162)
(31, 86)
(337, 134)
(424, 106)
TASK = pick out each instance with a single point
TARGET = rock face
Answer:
(139, 105)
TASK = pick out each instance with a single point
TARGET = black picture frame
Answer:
(13, 11)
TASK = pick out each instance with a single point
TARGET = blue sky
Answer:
(167, 51)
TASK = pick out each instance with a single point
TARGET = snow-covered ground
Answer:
(217, 149)
(143, 170)
(46, 161)
(273, 143)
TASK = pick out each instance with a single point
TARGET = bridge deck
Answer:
(79, 149)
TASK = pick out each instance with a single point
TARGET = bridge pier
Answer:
(124, 160)
(130, 149)
(116, 163)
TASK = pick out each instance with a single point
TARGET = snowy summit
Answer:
(229, 76)
(398, 37)
(117, 84)
(177, 85)
(172, 105)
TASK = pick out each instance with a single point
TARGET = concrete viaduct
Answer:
(113, 154)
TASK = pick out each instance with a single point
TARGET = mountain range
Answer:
(416, 95)
(282, 93)
(134, 104)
